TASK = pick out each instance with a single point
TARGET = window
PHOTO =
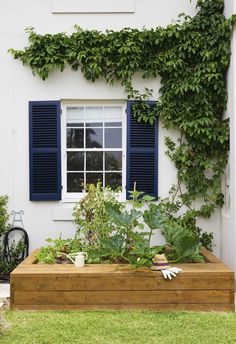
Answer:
(93, 147)
(75, 143)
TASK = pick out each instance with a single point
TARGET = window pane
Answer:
(94, 161)
(75, 182)
(75, 138)
(113, 114)
(94, 138)
(113, 138)
(114, 180)
(75, 161)
(90, 130)
(113, 124)
(94, 124)
(113, 161)
(93, 178)
(75, 116)
(72, 125)
(94, 116)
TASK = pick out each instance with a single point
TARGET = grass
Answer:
(113, 327)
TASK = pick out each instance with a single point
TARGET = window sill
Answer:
(71, 200)
(62, 213)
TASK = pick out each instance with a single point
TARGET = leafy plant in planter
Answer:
(90, 216)
(182, 244)
(113, 232)
(186, 220)
(183, 239)
(128, 243)
(55, 252)
(93, 227)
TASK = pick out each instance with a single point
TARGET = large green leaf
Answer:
(154, 217)
(114, 243)
(124, 218)
(148, 198)
(186, 246)
(153, 220)
(112, 246)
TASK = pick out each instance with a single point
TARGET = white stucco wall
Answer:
(18, 86)
(228, 213)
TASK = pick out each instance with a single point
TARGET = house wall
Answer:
(18, 86)
(228, 213)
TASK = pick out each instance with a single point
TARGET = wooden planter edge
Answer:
(203, 287)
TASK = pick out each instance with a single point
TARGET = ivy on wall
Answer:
(191, 57)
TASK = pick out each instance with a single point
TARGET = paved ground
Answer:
(4, 292)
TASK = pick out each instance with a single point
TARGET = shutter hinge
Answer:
(61, 187)
(61, 111)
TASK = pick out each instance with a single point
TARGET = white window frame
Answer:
(76, 196)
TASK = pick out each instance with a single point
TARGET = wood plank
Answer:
(93, 270)
(27, 267)
(209, 256)
(12, 293)
(123, 297)
(181, 282)
(147, 307)
(29, 260)
(208, 286)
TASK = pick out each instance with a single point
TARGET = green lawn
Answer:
(110, 327)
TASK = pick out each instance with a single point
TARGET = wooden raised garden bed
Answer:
(201, 287)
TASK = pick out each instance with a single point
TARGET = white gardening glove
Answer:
(171, 272)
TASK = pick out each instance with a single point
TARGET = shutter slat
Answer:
(142, 154)
(45, 150)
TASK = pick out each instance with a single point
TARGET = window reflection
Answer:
(113, 161)
(113, 138)
(75, 182)
(75, 138)
(94, 138)
(75, 161)
(93, 178)
(114, 180)
(94, 161)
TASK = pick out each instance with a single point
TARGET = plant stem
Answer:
(176, 260)
(150, 235)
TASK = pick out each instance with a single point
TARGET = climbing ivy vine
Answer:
(192, 57)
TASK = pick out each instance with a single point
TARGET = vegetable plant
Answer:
(56, 250)
(90, 216)
(121, 232)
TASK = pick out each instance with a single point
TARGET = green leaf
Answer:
(148, 198)
(186, 246)
(112, 246)
(153, 217)
(124, 219)
(140, 225)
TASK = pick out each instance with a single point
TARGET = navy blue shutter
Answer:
(45, 150)
(142, 154)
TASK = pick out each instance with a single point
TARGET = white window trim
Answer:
(75, 197)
